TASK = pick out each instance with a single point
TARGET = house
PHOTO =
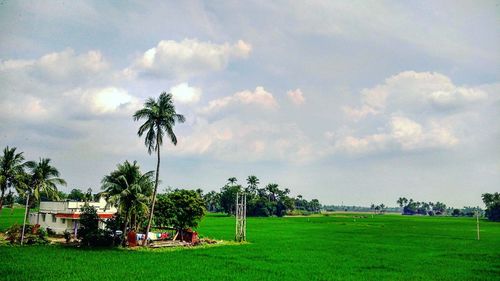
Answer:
(65, 215)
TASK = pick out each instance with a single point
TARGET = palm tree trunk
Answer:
(124, 242)
(1, 200)
(154, 193)
(26, 213)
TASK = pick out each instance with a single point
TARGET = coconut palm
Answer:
(161, 117)
(11, 168)
(41, 178)
(232, 180)
(252, 182)
(129, 190)
(402, 201)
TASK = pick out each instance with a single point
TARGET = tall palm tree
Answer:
(232, 180)
(129, 190)
(252, 182)
(11, 168)
(161, 117)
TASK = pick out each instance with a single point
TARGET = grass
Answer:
(9, 217)
(335, 247)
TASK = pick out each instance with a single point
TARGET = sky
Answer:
(349, 102)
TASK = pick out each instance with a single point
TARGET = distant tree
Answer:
(402, 201)
(76, 195)
(11, 169)
(492, 202)
(212, 201)
(228, 198)
(8, 200)
(456, 213)
(315, 206)
(439, 208)
(232, 180)
(161, 117)
(253, 183)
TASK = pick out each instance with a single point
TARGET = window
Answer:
(54, 219)
(63, 220)
(43, 217)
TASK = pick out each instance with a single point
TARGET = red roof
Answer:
(77, 216)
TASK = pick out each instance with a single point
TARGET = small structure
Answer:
(62, 216)
(241, 217)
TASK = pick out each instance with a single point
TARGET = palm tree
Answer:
(273, 189)
(42, 177)
(252, 182)
(232, 180)
(161, 117)
(402, 201)
(11, 167)
(128, 189)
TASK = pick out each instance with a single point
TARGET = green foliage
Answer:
(11, 171)
(89, 233)
(130, 190)
(228, 197)
(43, 178)
(31, 237)
(213, 201)
(411, 207)
(492, 202)
(261, 202)
(180, 209)
(76, 195)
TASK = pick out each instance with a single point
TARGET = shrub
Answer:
(14, 234)
(67, 236)
(50, 231)
(89, 232)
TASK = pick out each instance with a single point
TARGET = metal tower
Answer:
(241, 217)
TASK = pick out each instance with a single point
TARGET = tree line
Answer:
(270, 200)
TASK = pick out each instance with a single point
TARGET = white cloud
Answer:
(296, 96)
(259, 97)
(414, 91)
(402, 134)
(236, 140)
(183, 93)
(172, 59)
(60, 67)
(104, 100)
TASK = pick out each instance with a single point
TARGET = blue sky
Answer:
(357, 102)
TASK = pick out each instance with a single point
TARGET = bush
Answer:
(14, 234)
(493, 212)
(50, 232)
(89, 232)
(67, 236)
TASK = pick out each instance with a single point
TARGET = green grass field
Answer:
(336, 247)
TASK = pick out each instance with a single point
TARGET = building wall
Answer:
(47, 220)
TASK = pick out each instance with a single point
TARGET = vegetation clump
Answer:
(492, 202)
(32, 235)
